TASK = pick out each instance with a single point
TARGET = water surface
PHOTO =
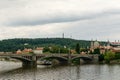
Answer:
(13, 71)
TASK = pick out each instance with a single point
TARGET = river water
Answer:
(14, 71)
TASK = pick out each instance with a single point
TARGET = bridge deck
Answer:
(87, 55)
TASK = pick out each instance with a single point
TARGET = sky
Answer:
(77, 19)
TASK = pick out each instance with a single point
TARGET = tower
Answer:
(108, 45)
(92, 44)
(63, 35)
(96, 44)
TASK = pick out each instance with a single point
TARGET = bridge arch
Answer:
(22, 59)
(61, 60)
(26, 61)
(84, 59)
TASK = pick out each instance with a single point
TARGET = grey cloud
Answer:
(60, 19)
(43, 21)
(40, 21)
(82, 19)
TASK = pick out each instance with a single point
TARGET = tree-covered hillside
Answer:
(21, 43)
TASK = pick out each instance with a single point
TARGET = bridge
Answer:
(30, 60)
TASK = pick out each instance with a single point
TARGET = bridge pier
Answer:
(30, 64)
(95, 58)
(69, 59)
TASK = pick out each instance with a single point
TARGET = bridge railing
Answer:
(15, 54)
(49, 54)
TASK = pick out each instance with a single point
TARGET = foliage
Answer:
(91, 52)
(109, 55)
(46, 49)
(77, 49)
(96, 51)
(12, 45)
(83, 50)
(101, 57)
(117, 55)
(64, 50)
(57, 49)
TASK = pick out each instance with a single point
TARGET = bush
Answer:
(101, 57)
(117, 56)
(96, 51)
(109, 56)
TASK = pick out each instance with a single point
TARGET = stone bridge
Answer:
(30, 60)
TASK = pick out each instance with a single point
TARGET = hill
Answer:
(21, 43)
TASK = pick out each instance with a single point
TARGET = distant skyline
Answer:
(77, 19)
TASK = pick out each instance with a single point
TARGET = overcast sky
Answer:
(78, 19)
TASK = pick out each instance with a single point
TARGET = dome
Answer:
(96, 44)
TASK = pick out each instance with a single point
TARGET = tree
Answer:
(77, 48)
(64, 50)
(101, 57)
(117, 55)
(97, 51)
(83, 50)
(109, 55)
(46, 49)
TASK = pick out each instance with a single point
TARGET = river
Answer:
(14, 71)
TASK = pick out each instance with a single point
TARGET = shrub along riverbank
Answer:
(110, 57)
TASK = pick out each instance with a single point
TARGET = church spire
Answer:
(92, 43)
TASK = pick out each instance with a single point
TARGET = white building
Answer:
(38, 51)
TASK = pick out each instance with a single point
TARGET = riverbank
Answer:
(117, 61)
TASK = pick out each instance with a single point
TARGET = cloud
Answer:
(103, 28)
(40, 12)
(81, 19)
(62, 18)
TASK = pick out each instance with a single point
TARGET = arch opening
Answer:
(81, 60)
(53, 60)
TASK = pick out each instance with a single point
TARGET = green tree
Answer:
(97, 51)
(117, 55)
(64, 50)
(11, 45)
(83, 50)
(77, 49)
(46, 49)
(55, 49)
(109, 55)
(101, 57)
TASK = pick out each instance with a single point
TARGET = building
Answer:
(38, 50)
(96, 45)
(27, 50)
(72, 51)
(111, 46)
(18, 51)
(115, 46)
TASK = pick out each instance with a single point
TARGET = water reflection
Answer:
(78, 72)
(10, 70)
